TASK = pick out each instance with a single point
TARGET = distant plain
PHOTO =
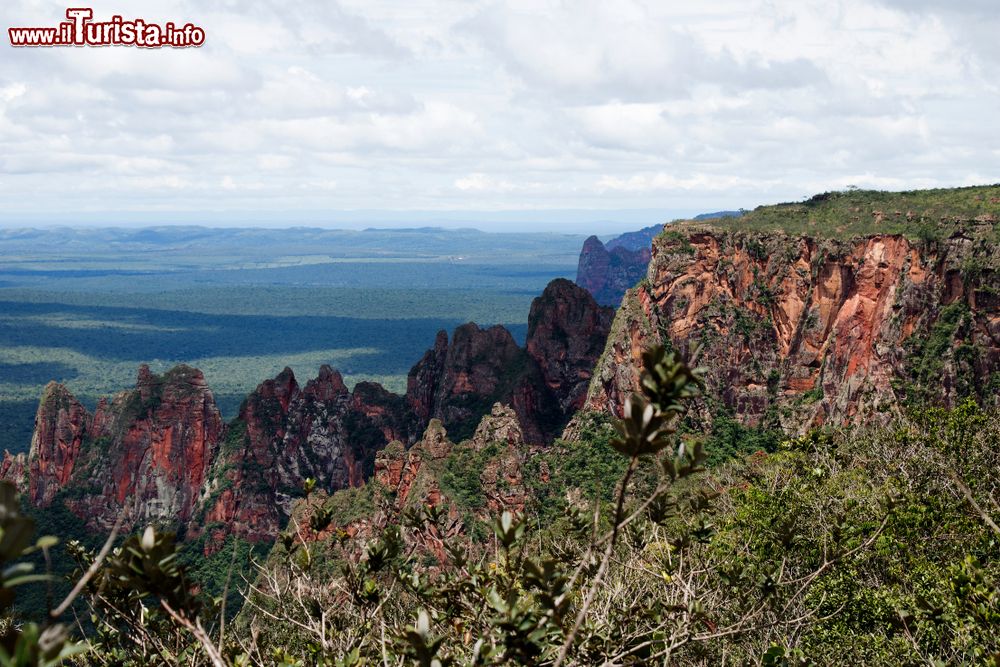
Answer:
(87, 306)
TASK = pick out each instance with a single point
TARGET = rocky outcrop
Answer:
(160, 452)
(286, 434)
(544, 383)
(567, 331)
(61, 424)
(804, 331)
(405, 473)
(502, 478)
(457, 382)
(415, 475)
(433, 492)
(148, 452)
(454, 381)
(448, 488)
(494, 457)
(142, 456)
(608, 273)
(14, 469)
(376, 407)
(607, 270)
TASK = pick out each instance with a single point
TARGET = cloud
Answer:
(592, 51)
(480, 104)
(667, 182)
(976, 7)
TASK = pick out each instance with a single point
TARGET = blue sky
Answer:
(499, 113)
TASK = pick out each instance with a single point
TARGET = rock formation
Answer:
(805, 331)
(457, 381)
(404, 473)
(567, 331)
(160, 453)
(497, 450)
(61, 424)
(502, 477)
(13, 469)
(147, 452)
(286, 434)
(607, 270)
(607, 274)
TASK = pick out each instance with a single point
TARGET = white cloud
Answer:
(12, 91)
(667, 182)
(483, 183)
(593, 51)
(481, 104)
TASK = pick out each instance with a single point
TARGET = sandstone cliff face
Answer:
(415, 475)
(457, 382)
(286, 434)
(567, 331)
(443, 484)
(61, 424)
(160, 453)
(805, 331)
(148, 452)
(608, 273)
(502, 478)
(404, 472)
(14, 469)
(545, 383)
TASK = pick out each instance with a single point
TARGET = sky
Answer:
(540, 114)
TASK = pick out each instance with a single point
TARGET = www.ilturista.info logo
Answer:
(82, 30)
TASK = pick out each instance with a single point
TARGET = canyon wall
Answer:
(798, 331)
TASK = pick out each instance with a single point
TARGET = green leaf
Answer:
(47, 542)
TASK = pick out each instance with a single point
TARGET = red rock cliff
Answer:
(61, 425)
(149, 451)
(160, 453)
(286, 434)
(809, 331)
(567, 331)
(457, 382)
(545, 383)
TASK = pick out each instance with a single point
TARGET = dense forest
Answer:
(86, 306)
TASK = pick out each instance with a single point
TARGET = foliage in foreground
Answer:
(874, 546)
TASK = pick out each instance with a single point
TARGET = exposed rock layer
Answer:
(545, 382)
(286, 434)
(804, 331)
(160, 452)
(61, 424)
(145, 454)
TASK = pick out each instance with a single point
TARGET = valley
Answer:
(85, 307)
(765, 390)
